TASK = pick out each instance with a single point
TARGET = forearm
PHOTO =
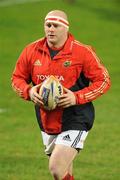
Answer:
(93, 91)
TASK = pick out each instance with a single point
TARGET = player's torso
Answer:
(66, 68)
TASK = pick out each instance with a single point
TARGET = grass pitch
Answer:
(94, 22)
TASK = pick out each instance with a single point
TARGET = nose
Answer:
(51, 28)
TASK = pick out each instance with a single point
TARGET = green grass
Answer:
(94, 22)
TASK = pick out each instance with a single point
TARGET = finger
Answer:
(63, 103)
(37, 101)
(66, 106)
(37, 96)
(38, 85)
(66, 90)
(64, 99)
(63, 96)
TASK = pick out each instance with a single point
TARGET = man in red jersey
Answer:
(80, 71)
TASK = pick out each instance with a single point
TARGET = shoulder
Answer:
(77, 45)
(32, 47)
(83, 46)
(36, 44)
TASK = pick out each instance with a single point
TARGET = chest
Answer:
(66, 68)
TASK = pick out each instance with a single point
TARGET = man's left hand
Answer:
(67, 99)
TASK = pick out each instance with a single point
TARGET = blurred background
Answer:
(93, 22)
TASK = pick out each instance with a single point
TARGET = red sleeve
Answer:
(21, 76)
(98, 76)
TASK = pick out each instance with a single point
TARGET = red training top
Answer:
(75, 66)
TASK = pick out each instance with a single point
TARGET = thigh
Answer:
(62, 157)
(66, 148)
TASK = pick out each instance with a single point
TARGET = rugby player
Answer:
(84, 77)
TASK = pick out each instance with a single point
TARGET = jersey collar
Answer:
(67, 48)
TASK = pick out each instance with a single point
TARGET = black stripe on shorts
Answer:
(77, 139)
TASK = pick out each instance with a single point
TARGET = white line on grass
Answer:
(3, 110)
(13, 2)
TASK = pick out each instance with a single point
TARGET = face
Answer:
(56, 34)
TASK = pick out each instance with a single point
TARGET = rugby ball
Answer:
(50, 91)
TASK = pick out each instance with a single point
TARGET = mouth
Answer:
(51, 35)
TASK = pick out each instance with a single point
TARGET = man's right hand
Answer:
(34, 96)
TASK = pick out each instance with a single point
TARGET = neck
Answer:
(55, 47)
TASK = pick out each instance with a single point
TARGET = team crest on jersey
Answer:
(67, 63)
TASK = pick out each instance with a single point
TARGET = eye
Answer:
(48, 25)
(55, 25)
